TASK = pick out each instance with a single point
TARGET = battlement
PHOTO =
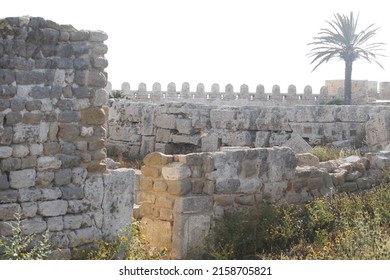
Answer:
(362, 92)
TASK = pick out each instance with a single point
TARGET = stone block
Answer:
(186, 139)
(165, 121)
(147, 197)
(55, 223)
(93, 116)
(71, 193)
(8, 196)
(8, 211)
(179, 187)
(72, 221)
(158, 233)
(147, 145)
(158, 159)
(52, 208)
(248, 200)
(68, 132)
(193, 204)
(5, 152)
(184, 126)
(78, 206)
(48, 163)
(63, 177)
(210, 142)
(227, 185)
(150, 171)
(160, 186)
(29, 209)
(239, 138)
(4, 182)
(20, 151)
(83, 236)
(176, 171)
(22, 178)
(163, 135)
(308, 159)
(44, 178)
(117, 201)
(35, 225)
(297, 144)
(378, 131)
(51, 193)
(30, 194)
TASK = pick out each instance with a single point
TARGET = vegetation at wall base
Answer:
(341, 226)
(23, 247)
(129, 244)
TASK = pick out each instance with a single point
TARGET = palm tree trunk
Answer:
(348, 83)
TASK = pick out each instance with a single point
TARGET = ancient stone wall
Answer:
(53, 110)
(363, 92)
(139, 128)
(181, 196)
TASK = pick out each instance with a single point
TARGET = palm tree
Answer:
(341, 40)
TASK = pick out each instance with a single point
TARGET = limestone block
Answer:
(163, 135)
(176, 171)
(297, 144)
(83, 236)
(150, 171)
(78, 206)
(20, 151)
(381, 160)
(52, 208)
(147, 197)
(186, 139)
(47, 162)
(160, 186)
(55, 223)
(93, 116)
(63, 177)
(158, 233)
(147, 145)
(5, 152)
(165, 121)
(210, 142)
(378, 131)
(145, 183)
(164, 148)
(33, 226)
(29, 209)
(223, 200)
(248, 200)
(224, 185)
(193, 204)
(22, 178)
(101, 98)
(8, 196)
(188, 234)
(44, 178)
(262, 138)
(184, 126)
(25, 133)
(51, 193)
(29, 194)
(308, 159)
(239, 138)
(179, 187)
(79, 174)
(165, 201)
(8, 211)
(117, 200)
(72, 221)
(148, 121)
(224, 118)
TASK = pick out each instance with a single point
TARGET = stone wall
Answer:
(53, 110)
(181, 196)
(139, 128)
(363, 92)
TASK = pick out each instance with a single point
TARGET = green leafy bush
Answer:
(23, 247)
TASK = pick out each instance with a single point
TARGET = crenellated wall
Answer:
(363, 92)
(53, 111)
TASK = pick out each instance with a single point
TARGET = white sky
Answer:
(214, 41)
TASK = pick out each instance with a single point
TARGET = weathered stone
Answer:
(78, 206)
(20, 151)
(158, 233)
(227, 185)
(33, 226)
(55, 223)
(48, 163)
(117, 201)
(193, 204)
(308, 159)
(22, 178)
(153, 159)
(150, 171)
(5, 152)
(68, 132)
(71, 193)
(29, 209)
(30, 194)
(51, 193)
(176, 171)
(72, 221)
(83, 236)
(93, 116)
(94, 191)
(179, 187)
(8, 211)
(53, 208)
(63, 177)
(8, 196)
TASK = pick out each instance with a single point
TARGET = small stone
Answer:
(22, 178)
(53, 208)
(5, 152)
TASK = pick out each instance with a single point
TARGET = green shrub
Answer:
(341, 226)
(23, 247)
(117, 94)
(334, 101)
(129, 244)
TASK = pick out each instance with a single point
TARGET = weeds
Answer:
(341, 226)
(23, 247)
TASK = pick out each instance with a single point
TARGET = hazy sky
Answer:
(214, 41)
